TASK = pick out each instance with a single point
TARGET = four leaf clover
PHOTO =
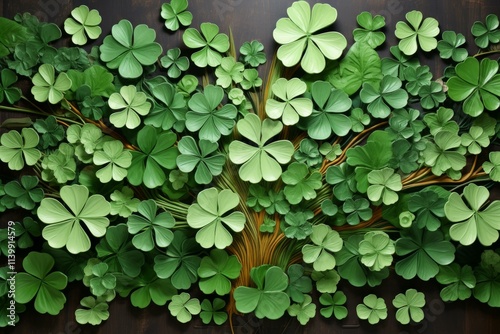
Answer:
(46, 87)
(84, 23)
(176, 13)
(424, 31)
(212, 44)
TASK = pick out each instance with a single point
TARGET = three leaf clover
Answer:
(324, 242)
(486, 32)
(84, 23)
(183, 307)
(422, 31)
(216, 272)
(7, 79)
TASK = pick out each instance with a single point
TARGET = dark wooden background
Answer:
(255, 19)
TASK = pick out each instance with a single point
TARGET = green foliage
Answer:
(129, 105)
(324, 242)
(25, 193)
(95, 311)
(303, 311)
(459, 282)
(409, 306)
(46, 87)
(373, 309)
(211, 42)
(486, 32)
(84, 23)
(423, 31)
(213, 311)
(384, 184)
(292, 106)
(334, 305)
(8, 93)
(252, 53)
(300, 284)
(449, 46)
(492, 167)
(376, 250)
(183, 307)
(390, 94)
(52, 132)
(174, 63)
(175, 14)
(216, 272)
(368, 33)
(300, 183)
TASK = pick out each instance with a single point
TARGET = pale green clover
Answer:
(183, 307)
(325, 241)
(229, 71)
(409, 306)
(212, 44)
(376, 250)
(384, 184)
(424, 31)
(297, 33)
(368, 33)
(440, 155)
(304, 311)
(373, 309)
(292, 105)
(46, 87)
(16, 148)
(208, 215)
(492, 167)
(261, 161)
(130, 104)
(95, 311)
(115, 159)
(176, 13)
(84, 23)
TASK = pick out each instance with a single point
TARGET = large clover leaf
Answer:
(268, 299)
(39, 283)
(477, 84)
(292, 106)
(409, 306)
(390, 94)
(128, 49)
(129, 104)
(298, 32)
(425, 32)
(84, 23)
(212, 44)
(261, 162)
(205, 116)
(64, 226)
(473, 222)
(424, 251)
(176, 13)
(115, 159)
(208, 216)
(300, 185)
(47, 87)
(324, 242)
(216, 272)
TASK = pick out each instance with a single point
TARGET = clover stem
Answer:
(485, 53)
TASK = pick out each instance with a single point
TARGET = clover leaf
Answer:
(216, 272)
(428, 207)
(16, 148)
(153, 289)
(52, 132)
(26, 231)
(183, 307)
(376, 250)
(440, 155)
(431, 95)
(487, 32)
(373, 309)
(95, 311)
(390, 94)
(441, 120)
(342, 177)
(176, 13)
(147, 224)
(128, 49)
(308, 153)
(251, 79)
(298, 35)
(304, 311)
(157, 153)
(477, 84)
(84, 23)
(7, 92)
(297, 224)
(100, 279)
(422, 31)
(299, 285)
(368, 32)
(327, 117)
(252, 53)
(492, 167)
(384, 184)
(334, 305)
(229, 71)
(357, 209)
(205, 116)
(300, 185)
(115, 159)
(174, 63)
(123, 202)
(25, 193)
(409, 306)
(60, 165)
(213, 311)
(292, 106)
(449, 46)
(473, 221)
(40, 283)
(424, 251)
(64, 228)
(169, 108)
(208, 215)
(488, 279)
(475, 139)
(261, 162)
(417, 77)
(459, 282)
(47, 87)
(212, 44)
(13, 34)
(268, 299)
(129, 104)
(396, 67)
(324, 242)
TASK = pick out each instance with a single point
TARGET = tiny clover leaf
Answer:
(327, 117)
(212, 44)
(424, 31)
(47, 87)
(252, 53)
(52, 132)
(357, 209)
(174, 63)
(373, 309)
(309, 153)
(123, 202)
(441, 120)
(384, 184)
(431, 95)
(115, 159)
(492, 167)
(64, 226)
(208, 216)
(331, 152)
(251, 79)
(409, 306)
(299, 38)
(183, 307)
(205, 116)
(101, 281)
(7, 92)
(475, 139)
(268, 299)
(94, 311)
(16, 148)
(376, 250)
(299, 285)
(428, 207)
(213, 311)
(128, 49)
(477, 84)
(440, 155)
(324, 242)
(449, 46)
(84, 23)
(390, 94)
(39, 283)
(300, 183)
(459, 282)
(292, 106)
(424, 251)
(326, 281)
(342, 177)
(176, 13)
(263, 161)
(129, 104)
(25, 193)
(395, 67)
(304, 311)
(178, 180)
(60, 165)
(334, 305)
(157, 153)
(473, 221)
(147, 224)
(268, 226)
(278, 203)
(202, 156)
(297, 225)
(368, 32)
(216, 272)
(417, 77)
(406, 218)
(229, 71)
(486, 32)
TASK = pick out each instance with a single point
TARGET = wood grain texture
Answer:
(255, 19)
